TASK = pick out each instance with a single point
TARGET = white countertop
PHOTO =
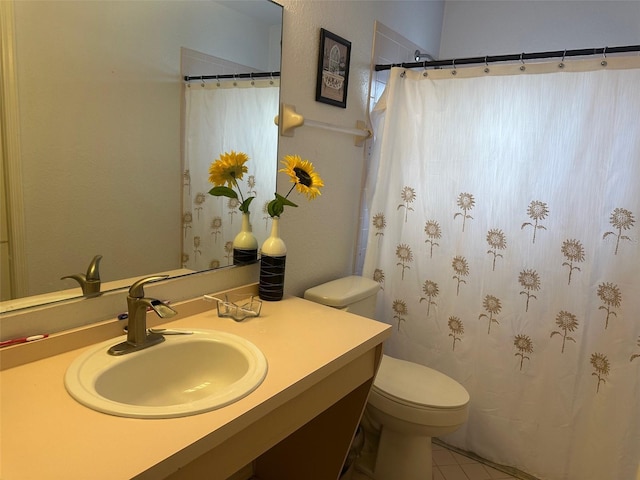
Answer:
(45, 434)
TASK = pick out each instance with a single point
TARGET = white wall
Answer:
(321, 235)
(491, 27)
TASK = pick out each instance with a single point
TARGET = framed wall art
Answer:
(333, 69)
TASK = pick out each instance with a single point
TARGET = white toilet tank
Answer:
(353, 294)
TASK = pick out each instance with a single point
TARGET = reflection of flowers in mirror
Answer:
(304, 178)
(225, 172)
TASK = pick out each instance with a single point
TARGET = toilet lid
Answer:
(414, 384)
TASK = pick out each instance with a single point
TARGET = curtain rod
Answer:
(513, 57)
(231, 76)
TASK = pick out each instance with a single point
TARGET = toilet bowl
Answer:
(408, 403)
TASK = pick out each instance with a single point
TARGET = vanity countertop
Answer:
(45, 434)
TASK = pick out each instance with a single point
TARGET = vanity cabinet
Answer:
(297, 424)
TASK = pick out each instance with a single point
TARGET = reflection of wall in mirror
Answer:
(99, 123)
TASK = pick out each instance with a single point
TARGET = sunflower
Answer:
(379, 222)
(228, 169)
(566, 321)
(529, 279)
(400, 307)
(304, 178)
(600, 363)
(455, 325)
(610, 294)
(432, 229)
(302, 174)
(496, 239)
(200, 199)
(622, 218)
(378, 275)
(537, 210)
(430, 288)
(523, 343)
(492, 304)
(573, 250)
(216, 223)
(466, 201)
(408, 194)
(224, 174)
(403, 252)
(460, 265)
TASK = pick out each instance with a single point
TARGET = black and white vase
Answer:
(245, 245)
(273, 256)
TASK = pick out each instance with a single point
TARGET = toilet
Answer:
(408, 403)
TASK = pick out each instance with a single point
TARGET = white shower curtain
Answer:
(503, 206)
(219, 118)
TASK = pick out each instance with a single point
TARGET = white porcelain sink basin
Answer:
(184, 375)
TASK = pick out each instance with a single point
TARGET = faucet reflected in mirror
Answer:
(79, 91)
(89, 282)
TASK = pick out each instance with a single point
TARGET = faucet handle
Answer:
(137, 289)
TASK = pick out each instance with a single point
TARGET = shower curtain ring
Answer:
(217, 80)
(486, 65)
(561, 64)
(522, 67)
(453, 63)
(604, 57)
(202, 80)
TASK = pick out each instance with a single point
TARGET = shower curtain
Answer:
(221, 117)
(503, 207)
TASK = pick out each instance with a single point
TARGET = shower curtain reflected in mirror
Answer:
(503, 228)
(220, 119)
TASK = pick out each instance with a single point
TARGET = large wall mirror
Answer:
(97, 137)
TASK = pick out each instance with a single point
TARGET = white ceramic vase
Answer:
(273, 256)
(245, 245)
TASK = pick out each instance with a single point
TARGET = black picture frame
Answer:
(333, 69)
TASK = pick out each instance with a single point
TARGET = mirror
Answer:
(99, 89)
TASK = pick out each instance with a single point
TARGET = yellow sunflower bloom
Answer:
(229, 168)
(302, 174)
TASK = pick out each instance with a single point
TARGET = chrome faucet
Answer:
(138, 337)
(89, 282)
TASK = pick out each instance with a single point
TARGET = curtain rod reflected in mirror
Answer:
(98, 139)
(232, 76)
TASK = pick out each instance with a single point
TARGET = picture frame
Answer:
(333, 69)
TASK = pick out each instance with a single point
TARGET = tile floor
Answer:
(449, 465)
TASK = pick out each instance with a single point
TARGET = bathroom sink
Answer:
(184, 375)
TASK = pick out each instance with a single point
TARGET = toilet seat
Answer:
(418, 386)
